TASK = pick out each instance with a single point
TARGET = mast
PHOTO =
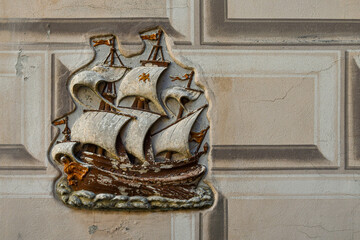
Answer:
(141, 82)
(184, 95)
(153, 57)
(141, 102)
(66, 130)
(109, 94)
(90, 81)
(188, 77)
(175, 137)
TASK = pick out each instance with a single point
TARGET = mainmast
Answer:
(142, 103)
(156, 49)
(153, 59)
(188, 77)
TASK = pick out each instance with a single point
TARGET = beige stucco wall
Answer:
(282, 83)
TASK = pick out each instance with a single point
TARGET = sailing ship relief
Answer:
(137, 135)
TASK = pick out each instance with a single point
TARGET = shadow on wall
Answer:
(214, 222)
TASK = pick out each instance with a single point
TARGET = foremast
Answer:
(109, 92)
(96, 121)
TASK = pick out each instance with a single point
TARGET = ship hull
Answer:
(170, 185)
(106, 162)
(179, 182)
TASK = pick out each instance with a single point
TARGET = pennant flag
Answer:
(184, 78)
(102, 42)
(150, 37)
(60, 122)
(198, 136)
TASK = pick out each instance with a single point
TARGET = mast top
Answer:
(112, 54)
(156, 49)
(66, 132)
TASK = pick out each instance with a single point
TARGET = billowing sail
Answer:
(178, 93)
(84, 86)
(133, 134)
(176, 137)
(99, 128)
(141, 81)
(111, 74)
(63, 149)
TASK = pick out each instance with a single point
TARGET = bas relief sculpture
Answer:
(138, 136)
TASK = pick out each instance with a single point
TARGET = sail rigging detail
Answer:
(180, 93)
(99, 128)
(90, 80)
(141, 81)
(133, 134)
(175, 138)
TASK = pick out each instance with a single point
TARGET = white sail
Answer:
(84, 86)
(176, 137)
(178, 93)
(133, 134)
(111, 74)
(141, 81)
(99, 128)
(63, 149)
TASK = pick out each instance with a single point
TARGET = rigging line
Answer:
(117, 113)
(143, 110)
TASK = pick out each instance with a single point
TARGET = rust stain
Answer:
(150, 37)
(187, 76)
(101, 42)
(75, 171)
(197, 136)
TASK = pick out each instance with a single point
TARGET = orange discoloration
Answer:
(198, 136)
(183, 78)
(101, 42)
(144, 77)
(74, 171)
(150, 37)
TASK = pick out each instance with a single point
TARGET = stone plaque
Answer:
(137, 134)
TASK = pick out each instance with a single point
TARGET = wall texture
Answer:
(282, 79)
